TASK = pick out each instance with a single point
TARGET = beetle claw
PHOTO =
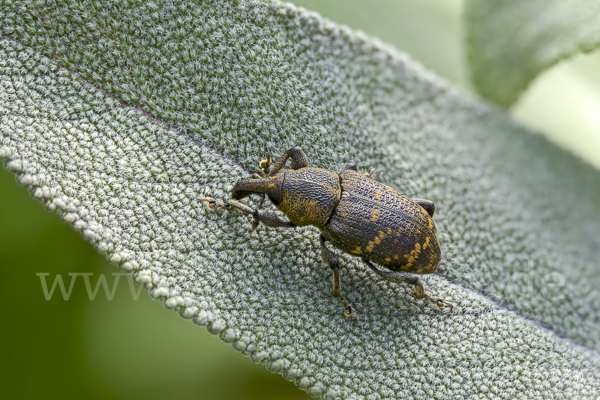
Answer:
(349, 311)
(213, 204)
(441, 303)
(265, 165)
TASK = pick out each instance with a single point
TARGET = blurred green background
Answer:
(126, 349)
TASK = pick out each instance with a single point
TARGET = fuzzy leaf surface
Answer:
(119, 115)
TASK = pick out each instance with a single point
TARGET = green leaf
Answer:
(118, 116)
(510, 42)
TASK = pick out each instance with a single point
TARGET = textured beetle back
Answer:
(310, 195)
(376, 222)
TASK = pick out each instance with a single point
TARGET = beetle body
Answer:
(355, 213)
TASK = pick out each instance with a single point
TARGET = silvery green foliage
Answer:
(118, 116)
(510, 42)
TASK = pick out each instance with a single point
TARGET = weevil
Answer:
(354, 212)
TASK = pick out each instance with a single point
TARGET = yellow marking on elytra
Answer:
(377, 194)
(388, 259)
(389, 188)
(396, 257)
(424, 211)
(375, 215)
(389, 231)
(370, 246)
(357, 250)
(379, 237)
(426, 244)
(272, 185)
(412, 257)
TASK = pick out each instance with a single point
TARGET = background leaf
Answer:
(510, 42)
(155, 105)
(426, 30)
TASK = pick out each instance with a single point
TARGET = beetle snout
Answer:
(238, 192)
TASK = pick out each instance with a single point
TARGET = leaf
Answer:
(118, 116)
(510, 42)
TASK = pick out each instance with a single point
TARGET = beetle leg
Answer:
(262, 201)
(268, 218)
(257, 176)
(351, 166)
(405, 277)
(427, 205)
(370, 174)
(299, 160)
(349, 311)
(337, 283)
(333, 262)
(265, 165)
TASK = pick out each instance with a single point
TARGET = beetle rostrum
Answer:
(354, 212)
